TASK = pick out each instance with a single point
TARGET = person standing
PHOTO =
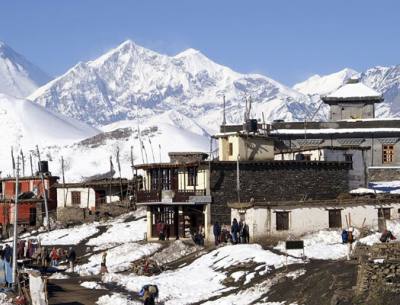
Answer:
(54, 257)
(103, 266)
(2, 270)
(71, 258)
(8, 253)
(217, 233)
(235, 231)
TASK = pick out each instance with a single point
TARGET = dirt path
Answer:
(70, 292)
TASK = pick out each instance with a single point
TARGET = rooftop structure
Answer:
(353, 100)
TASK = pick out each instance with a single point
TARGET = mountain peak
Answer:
(188, 52)
(321, 85)
(18, 77)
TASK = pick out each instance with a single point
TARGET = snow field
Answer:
(203, 278)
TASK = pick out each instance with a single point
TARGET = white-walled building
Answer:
(283, 219)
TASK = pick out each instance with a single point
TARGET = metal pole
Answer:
(14, 261)
(238, 178)
(44, 191)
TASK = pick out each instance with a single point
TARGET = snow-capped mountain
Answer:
(385, 80)
(132, 82)
(320, 85)
(18, 77)
(25, 124)
(85, 149)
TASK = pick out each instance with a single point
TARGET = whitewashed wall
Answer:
(64, 197)
(262, 221)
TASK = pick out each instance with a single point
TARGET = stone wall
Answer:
(383, 174)
(274, 181)
(79, 215)
(379, 268)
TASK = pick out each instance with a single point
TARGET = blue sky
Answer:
(286, 40)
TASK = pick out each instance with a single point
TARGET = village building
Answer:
(82, 201)
(31, 209)
(176, 193)
(283, 178)
(281, 219)
(190, 193)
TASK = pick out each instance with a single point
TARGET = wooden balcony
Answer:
(179, 195)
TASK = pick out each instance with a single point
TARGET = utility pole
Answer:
(111, 170)
(44, 190)
(159, 148)
(13, 161)
(223, 112)
(152, 152)
(63, 178)
(30, 161)
(238, 179)
(23, 163)
(15, 237)
(133, 170)
(119, 172)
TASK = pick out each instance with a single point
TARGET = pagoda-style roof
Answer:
(353, 91)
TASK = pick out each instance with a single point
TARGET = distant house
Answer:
(77, 201)
(31, 210)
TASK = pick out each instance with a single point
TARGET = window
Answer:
(384, 213)
(76, 198)
(230, 149)
(282, 221)
(387, 153)
(192, 176)
(349, 158)
(307, 157)
(335, 218)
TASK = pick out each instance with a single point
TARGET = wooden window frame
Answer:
(282, 220)
(76, 198)
(387, 153)
(192, 176)
(230, 148)
(349, 158)
(384, 213)
(334, 223)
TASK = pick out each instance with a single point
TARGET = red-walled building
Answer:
(30, 200)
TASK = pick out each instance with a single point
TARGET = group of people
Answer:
(162, 230)
(238, 233)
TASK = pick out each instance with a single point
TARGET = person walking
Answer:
(217, 233)
(71, 258)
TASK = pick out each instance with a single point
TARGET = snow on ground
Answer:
(5, 300)
(202, 279)
(324, 244)
(118, 258)
(92, 285)
(116, 299)
(174, 251)
(69, 236)
(247, 296)
(391, 225)
(58, 276)
(120, 232)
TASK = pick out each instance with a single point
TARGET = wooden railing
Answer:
(179, 195)
(148, 196)
(183, 195)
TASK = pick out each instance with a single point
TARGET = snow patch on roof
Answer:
(354, 90)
